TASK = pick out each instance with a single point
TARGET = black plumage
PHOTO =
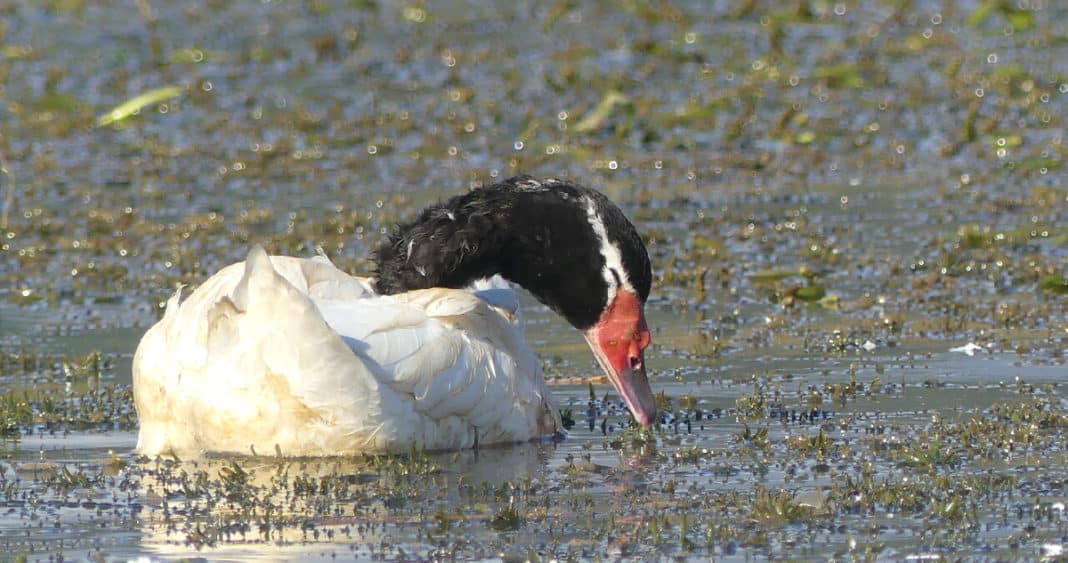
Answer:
(536, 233)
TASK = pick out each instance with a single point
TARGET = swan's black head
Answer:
(566, 244)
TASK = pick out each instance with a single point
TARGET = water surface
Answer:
(835, 196)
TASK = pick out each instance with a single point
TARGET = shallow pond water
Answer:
(856, 212)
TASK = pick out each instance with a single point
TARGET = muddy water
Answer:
(836, 196)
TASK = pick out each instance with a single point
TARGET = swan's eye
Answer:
(615, 274)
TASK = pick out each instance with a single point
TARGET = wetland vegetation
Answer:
(856, 211)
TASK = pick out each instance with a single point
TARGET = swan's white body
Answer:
(293, 355)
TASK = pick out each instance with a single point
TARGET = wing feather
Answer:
(295, 353)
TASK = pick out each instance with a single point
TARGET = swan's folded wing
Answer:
(325, 281)
(247, 362)
(398, 342)
(256, 357)
(457, 356)
(408, 342)
(285, 369)
(356, 363)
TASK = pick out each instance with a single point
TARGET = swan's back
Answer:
(294, 355)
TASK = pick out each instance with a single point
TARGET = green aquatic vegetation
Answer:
(15, 52)
(779, 506)
(196, 55)
(953, 502)
(507, 519)
(840, 76)
(813, 291)
(707, 246)
(840, 393)
(819, 446)
(691, 455)
(55, 102)
(927, 455)
(956, 509)
(89, 367)
(633, 437)
(775, 275)
(137, 103)
(757, 439)
(695, 111)
(664, 403)
(1018, 18)
(1054, 283)
(738, 126)
(806, 293)
(597, 117)
(971, 236)
(416, 463)
(25, 296)
(1008, 427)
(62, 478)
(234, 481)
(567, 419)
(16, 414)
(754, 406)
(104, 406)
(688, 402)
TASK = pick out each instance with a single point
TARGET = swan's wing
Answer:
(294, 353)
(238, 365)
(498, 293)
(325, 281)
(453, 355)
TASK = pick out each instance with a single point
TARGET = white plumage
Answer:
(294, 355)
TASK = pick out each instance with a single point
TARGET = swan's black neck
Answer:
(539, 234)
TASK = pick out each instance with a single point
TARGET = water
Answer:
(905, 162)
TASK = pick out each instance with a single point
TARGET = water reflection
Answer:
(307, 505)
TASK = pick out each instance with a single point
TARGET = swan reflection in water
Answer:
(222, 507)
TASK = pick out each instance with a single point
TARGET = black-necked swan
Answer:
(292, 355)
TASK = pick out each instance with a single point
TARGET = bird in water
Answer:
(292, 355)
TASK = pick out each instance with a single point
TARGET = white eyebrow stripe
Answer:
(613, 258)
